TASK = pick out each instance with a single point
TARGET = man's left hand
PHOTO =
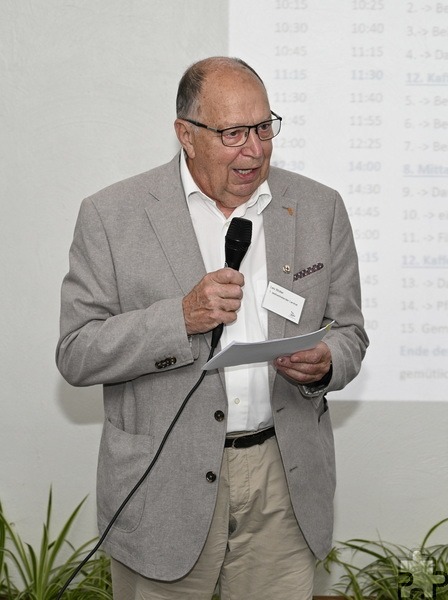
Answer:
(307, 366)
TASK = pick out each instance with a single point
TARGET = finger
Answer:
(230, 291)
(298, 376)
(320, 354)
(226, 276)
(302, 368)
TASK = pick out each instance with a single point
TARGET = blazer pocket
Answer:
(317, 278)
(123, 458)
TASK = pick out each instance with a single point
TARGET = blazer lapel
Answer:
(166, 208)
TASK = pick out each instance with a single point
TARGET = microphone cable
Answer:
(237, 242)
(214, 343)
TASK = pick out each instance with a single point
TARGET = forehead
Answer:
(233, 96)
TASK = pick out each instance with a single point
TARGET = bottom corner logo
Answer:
(418, 578)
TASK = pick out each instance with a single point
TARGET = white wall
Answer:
(87, 99)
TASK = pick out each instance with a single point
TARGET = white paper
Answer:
(238, 353)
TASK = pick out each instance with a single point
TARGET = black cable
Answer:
(215, 339)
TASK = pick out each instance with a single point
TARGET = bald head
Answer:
(192, 82)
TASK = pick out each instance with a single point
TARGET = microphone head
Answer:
(238, 239)
(240, 231)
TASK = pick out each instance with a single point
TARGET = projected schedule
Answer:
(362, 86)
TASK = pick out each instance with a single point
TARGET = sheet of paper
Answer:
(238, 353)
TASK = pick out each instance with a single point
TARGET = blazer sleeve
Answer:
(99, 343)
(348, 340)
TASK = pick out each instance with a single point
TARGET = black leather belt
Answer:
(246, 441)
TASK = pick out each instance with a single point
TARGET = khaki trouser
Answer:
(255, 548)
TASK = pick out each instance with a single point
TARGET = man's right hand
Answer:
(214, 300)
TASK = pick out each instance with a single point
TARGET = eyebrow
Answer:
(247, 124)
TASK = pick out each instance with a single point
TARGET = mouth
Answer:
(246, 172)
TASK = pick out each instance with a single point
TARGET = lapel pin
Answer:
(290, 210)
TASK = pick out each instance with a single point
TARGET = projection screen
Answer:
(362, 86)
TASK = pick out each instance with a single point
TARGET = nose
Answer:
(253, 144)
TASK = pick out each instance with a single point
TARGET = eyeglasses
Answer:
(237, 136)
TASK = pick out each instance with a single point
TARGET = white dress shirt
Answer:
(247, 386)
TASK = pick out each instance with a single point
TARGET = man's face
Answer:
(229, 175)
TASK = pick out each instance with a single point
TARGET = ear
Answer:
(185, 135)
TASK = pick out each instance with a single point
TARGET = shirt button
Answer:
(237, 401)
(210, 477)
(219, 415)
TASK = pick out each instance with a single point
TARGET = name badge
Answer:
(283, 302)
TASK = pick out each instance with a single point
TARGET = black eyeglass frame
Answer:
(248, 127)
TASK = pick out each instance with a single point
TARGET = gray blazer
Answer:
(134, 256)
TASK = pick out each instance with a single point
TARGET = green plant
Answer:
(3, 586)
(395, 572)
(30, 574)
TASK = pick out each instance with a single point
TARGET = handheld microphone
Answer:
(237, 242)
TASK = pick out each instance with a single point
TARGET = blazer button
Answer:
(219, 415)
(210, 477)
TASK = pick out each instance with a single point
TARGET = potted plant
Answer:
(392, 571)
(27, 573)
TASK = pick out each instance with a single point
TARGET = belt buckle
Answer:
(233, 443)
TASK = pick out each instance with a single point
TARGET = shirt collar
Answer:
(262, 195)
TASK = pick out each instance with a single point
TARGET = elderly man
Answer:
(242, 491)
